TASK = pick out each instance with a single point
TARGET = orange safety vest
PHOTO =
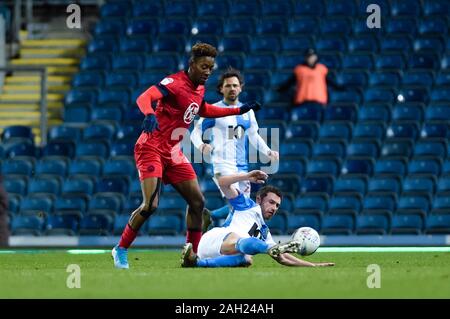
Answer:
(311, 83)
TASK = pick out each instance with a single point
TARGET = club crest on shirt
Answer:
(191, 112)
(166, 81)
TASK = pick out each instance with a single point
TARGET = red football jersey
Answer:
(176, 110)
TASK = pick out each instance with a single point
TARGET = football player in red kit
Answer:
(157, 151)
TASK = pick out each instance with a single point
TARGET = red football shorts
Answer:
(172, 168)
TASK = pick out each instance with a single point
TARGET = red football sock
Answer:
(193, 236)
(127, 237)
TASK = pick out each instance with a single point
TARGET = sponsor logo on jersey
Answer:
(191, 112)
(166, 81)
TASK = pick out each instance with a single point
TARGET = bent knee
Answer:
(197, 204)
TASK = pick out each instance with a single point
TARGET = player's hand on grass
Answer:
(255, 106)
(257, 177)
(323, 264)
(206, 148)
(150, 123)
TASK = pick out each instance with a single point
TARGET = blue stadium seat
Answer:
(374, 112)
(301, 149)
(165, 225)
(295, 221)
(120, 167)
(417, 184)
(79, 185)
(240, 26)
(65, 132)
(208, 26)
(363, 148)
(341, 8)
(429, 44)
(95, 225)
(134, 45)
(77, 113)
(443, 186)
(85, 167)
(331, 60)
(113, 97)
(434, 130)
(142, 28)
(246, 9)
(105, 44)
(120, 222)
(59, 148)
(92, 149)
(363, 44)
(350, 96)
(358, 166)
(346, 113)
(109, 27)
(113, 203)
(358, 61)
(70, 205)
(212, 8)
(414, 94)
(180, 8)
(404, 130)
(387, 79)
(269, 25)
(114, 9)
(119, 80)
(408, 112)
(98, 131)
(406, 224)
(425, 166)
(404, 26)
(260, 62)
(78, 96)
(394, 148)
(332, 149)
(150, 78)
(396, 167)
(13, 149)
(437, 7)
(396, 43)
(438, 224)
(286, 183)
(97, 62)
(45, 185)
(327, 167)
(317, 184)
(405, 8)
(433, 26)
(88, 79)
(279, 8)
(384, 184)
(108, 112)
(27, 225)
(161, 61)
(299, 130)
(379, 95)
(18, 166)
(352, 79)
(335, 131)
(440, 95)
(423, 61)
(372, 224)
(390, 61)
(337, 225)
(311, 204)
(61, 225)
(17, 133)
(414, 204)
(430, 148)
(113, 184)
(351, 185)
(121, 149)
(264, 44)
(278, 224)
(309, 8)
(443, 79)
(172, 202)
(147, 9)
(15, 185)
(369, 131)
(36, 205)
(14, 201)
(51, 166)
(338, 26)
(309, 112)
(382, 203)
(330, 44)
(418, 78)
(345, 204)
(303, 25)
(234, 43)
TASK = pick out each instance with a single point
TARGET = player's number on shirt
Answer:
(236, 131)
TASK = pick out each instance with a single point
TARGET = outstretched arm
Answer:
(290, 260)
(144, 101)
(225, 182)
(209, 110)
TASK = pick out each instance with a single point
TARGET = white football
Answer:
(309, 238)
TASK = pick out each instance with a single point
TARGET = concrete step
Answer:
(52, 53)
(45, 62)
(53, 43)
(29, 97)
(13, 107)
(36, 88)
(36, 79)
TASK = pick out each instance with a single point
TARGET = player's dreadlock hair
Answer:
(202, 49)
(229, 73)
(263, 191)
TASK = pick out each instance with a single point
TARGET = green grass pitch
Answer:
(157, 274)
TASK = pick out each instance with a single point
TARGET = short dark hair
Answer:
(263, 191)
(229, 73)
(201, 49)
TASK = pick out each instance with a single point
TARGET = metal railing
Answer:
(43, 123)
